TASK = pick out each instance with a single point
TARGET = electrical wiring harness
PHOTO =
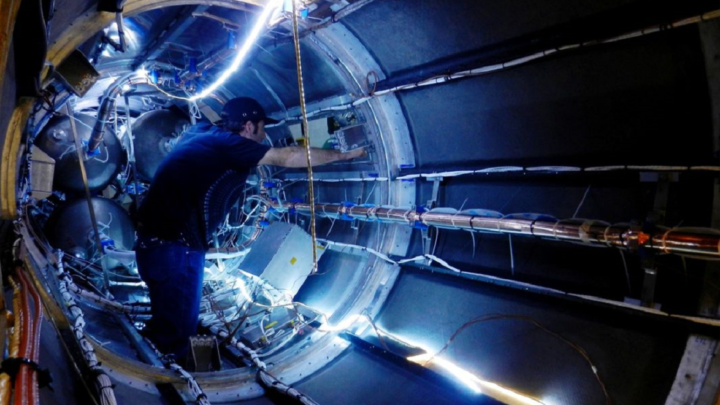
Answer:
(66, 286)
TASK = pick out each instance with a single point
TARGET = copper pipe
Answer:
(677, 241)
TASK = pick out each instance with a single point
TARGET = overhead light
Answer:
(243, 51)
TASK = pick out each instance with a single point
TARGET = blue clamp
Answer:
(292, 210)
(346, 217)
(374, 175)
(107, 243)
(154, 76)
(264, 223)
(419, 225)
(90, 153)
(269, 184)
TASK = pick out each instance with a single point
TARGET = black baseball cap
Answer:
(240, 110)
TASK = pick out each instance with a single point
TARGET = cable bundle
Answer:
(265, 377)
(102, 381)
(190, 381)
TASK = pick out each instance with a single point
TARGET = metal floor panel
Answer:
(636, 359)
(358, 377)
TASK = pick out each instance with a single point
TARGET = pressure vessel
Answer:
(156, 133)
(56, 139)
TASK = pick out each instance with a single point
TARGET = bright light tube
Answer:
(244, 50)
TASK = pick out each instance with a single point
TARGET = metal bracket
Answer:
(657, 217)
(77, 73)
(432, 203)
(204, 354)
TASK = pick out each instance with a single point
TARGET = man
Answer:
(190, 195)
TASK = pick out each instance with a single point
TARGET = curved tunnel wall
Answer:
(640, 101)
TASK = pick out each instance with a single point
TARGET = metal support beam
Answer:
(650, 274)
(612, 309)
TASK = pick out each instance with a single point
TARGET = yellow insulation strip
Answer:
(14, 350)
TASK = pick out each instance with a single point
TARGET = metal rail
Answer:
(704, 243)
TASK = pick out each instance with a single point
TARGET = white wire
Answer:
(508, 169)
(103, 382)
(191, 384)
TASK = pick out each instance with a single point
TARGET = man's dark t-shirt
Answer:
(198, 183)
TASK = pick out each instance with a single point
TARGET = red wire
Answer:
(21, 380)
(26, 384)
(37, 326)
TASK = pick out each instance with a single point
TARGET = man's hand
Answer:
(355, 153)
(294, 156)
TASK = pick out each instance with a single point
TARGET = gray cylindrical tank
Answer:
(57, 141)
(156, 132)
(70, 229)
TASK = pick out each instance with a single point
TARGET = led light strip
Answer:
(244, 50)
(242, 53)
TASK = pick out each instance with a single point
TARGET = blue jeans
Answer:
(173, 273)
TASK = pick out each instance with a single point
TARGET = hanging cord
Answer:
(91, 209)
(500, 316)
(306, 134)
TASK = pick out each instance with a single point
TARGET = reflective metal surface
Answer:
(156, 133)
(56, 140)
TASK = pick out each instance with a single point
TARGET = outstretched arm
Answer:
(294, 156)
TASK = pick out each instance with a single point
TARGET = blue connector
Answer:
(232, 40)
(107, 242)
(264, 223)
(90, 153)
(269, 184)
